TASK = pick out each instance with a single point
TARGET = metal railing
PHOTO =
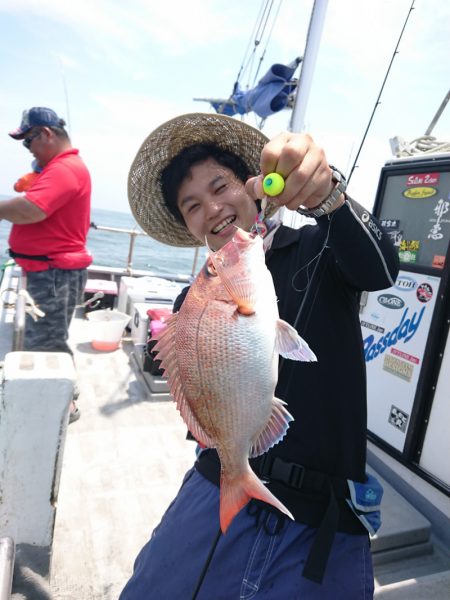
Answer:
(134, 233)
(19, 315)
(7, 557)
(12, 309)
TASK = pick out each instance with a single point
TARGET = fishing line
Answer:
(300, 310)
(379, 95)
(317, 256)
(308, 286)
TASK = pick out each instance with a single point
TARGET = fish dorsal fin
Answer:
(167, 354)
(274, 431)
(289, 344)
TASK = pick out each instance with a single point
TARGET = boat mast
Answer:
(316, 24)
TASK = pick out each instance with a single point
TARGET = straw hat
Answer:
(162, 145)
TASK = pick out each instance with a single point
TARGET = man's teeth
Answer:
(223, 225)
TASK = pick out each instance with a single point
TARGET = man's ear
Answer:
(47, 132)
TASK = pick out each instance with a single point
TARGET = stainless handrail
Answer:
(12, 308)
(133, 233)
(7, 557)
(19, 315)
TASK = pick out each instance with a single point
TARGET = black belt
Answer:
(298, 477)
(28, 256)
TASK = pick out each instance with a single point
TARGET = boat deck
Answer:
(123, 463)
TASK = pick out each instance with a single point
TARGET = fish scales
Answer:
(220, 355)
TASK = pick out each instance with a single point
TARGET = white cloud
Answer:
(130, 66)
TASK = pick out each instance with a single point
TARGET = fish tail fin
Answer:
(237, 492)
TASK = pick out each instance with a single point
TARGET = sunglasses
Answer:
(27, 141)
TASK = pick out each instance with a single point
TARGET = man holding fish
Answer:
(291, 525)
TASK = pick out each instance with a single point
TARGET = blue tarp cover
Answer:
(268, 97)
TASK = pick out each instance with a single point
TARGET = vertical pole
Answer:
(194, 264)
(7, 555)
(438, 114)
(316, 23)
(133, 235)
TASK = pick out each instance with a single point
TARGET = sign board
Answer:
(395, 325)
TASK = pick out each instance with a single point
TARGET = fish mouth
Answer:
(223, 224)
(242, 241)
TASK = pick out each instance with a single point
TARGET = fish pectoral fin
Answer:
(274, 431)
(289, 344)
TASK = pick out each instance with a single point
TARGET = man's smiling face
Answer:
(213, 202)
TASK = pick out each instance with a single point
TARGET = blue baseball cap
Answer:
(37, 116)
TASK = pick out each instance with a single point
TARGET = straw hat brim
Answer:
(162, 145)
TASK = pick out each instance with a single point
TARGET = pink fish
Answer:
(220, 355)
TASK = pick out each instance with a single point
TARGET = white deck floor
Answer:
(123, 463)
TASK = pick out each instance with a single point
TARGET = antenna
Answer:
(66, 95)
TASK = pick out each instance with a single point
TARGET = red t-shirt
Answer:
(63, 192)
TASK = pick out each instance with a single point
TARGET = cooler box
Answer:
(146, 289)
(139, 324)
(140, 320)
(109, 289)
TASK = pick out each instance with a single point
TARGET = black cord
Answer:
(206, 565)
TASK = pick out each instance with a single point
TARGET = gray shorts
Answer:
(56, 292)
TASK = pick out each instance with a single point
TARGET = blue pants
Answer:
(257, 558)
(56, 292)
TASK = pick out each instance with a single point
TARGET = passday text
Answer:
(404, 331)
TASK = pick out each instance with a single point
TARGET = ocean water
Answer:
(111, 249)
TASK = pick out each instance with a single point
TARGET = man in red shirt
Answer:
(50, 226)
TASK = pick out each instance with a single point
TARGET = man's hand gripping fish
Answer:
(220, 355)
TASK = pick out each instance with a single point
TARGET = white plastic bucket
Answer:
(107, 328)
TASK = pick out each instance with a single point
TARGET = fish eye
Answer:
(211, 269)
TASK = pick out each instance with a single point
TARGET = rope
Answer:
(425, 144)
(30, 307)
(252, 36)
(256, 37)
(267, 43)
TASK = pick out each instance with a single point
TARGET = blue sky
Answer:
(115, 70)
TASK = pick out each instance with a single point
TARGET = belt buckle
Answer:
(296, 475)
(265, 466)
